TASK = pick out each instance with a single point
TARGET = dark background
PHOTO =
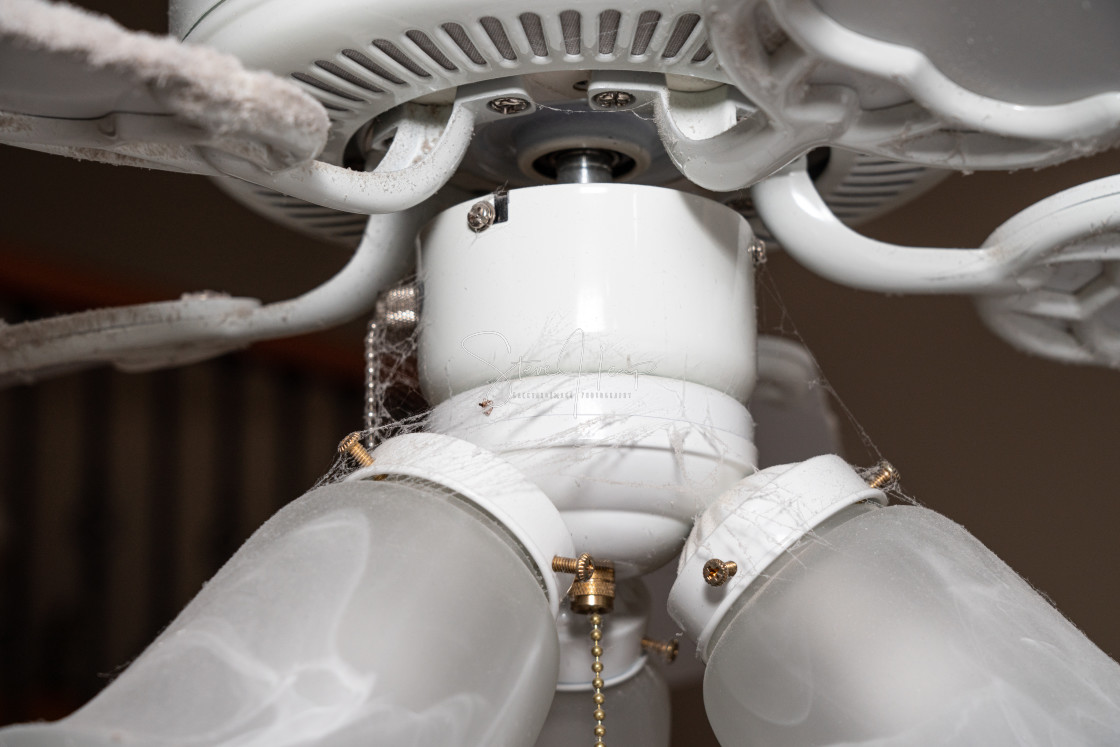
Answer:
(1020, 450)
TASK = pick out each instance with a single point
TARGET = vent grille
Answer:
(372, 66)
(357, 84)
(311, 80)
(345, 228)
(534, 33)
(399, 57)
(347, 76)
(497, 33)
(608, 30)
(462, 39)
(686, 24)
(643, 34)
(870, 184)
(429, 47)
(570, 26)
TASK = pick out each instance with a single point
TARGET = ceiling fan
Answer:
(588, 192)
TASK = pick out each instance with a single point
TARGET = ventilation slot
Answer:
(370, 65)
(313, 81)
(570, 23)
(428, 47)
(497, 33)
(534, 32)
(608, 30)
(643, 32)
(703, 53)
(463, 41)
(686, 24)
(399, 57)
(347, 76)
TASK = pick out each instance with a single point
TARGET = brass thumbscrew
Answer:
(352, 445)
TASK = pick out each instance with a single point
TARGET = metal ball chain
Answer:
(597, 683)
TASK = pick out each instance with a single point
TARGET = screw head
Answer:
(613, 99)
(349, 442)
(508, 105)
(718, 572)
(757, 252)
(481, 216)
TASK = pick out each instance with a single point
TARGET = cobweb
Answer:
(783, 324)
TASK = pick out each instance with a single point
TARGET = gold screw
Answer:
(352, 445)
(883, 476)
(667, 650)
(580, 567)
(718, 572)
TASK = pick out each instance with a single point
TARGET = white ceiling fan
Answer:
(587, 339)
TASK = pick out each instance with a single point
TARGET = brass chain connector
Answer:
(593, 589)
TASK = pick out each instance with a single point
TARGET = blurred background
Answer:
(120, 494)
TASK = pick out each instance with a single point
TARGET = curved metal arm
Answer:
(795, 214)
(197, 327)
(413, 170)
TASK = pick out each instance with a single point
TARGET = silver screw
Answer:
(508, 105)
(757, 250)
(613, 99)
(480, 217)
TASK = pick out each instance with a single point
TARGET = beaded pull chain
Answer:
(597, 683)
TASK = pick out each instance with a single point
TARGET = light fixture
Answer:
(572, 184)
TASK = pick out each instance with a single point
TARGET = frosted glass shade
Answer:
(372, 613)
(897, 627)
(637, 714)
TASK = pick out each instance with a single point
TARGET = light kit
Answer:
(557, 216)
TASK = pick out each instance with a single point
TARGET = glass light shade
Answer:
(897, 627)
(637, 714)
(372, 613)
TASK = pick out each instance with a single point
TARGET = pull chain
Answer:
(597, 683)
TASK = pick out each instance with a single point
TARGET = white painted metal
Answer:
(593, 277)
(362, 59)
(1011, 260)
(816, 82)
(490, 483)
(426, 150)
(204, 325)
(629, 461)
(752, 524)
